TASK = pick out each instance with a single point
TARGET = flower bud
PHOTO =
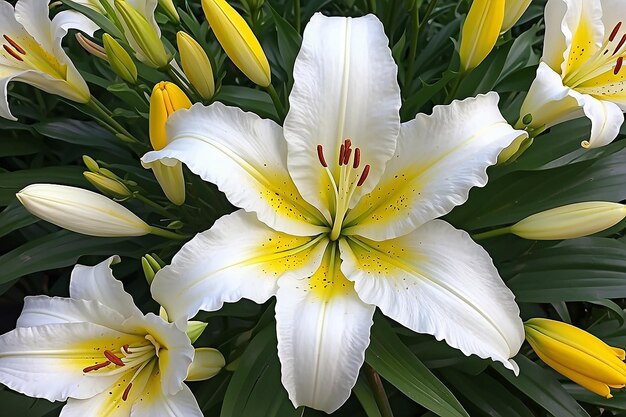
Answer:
(480, 32)
(195, 329)
(148, 42)
(91, 163)
(90, 46)
(81, 211)
(150, 267)
(570, 221)
(206, 364)
(577, 355)
(121, 62)
(110, 187)
(170, 10)
(238, 41)
(513, 11)
(196, 65)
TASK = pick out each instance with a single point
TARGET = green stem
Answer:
(167, 234)
(276, 100)
(429, 11)
(408, 76)
(179, 79)
(159, 208)
(379, 392)
(454, 88)
(492, 233)
(373, 6)
(110, 122)
(296, 13)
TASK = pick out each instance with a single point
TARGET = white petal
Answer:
(6, 76)
(456, 145)
(239, 257)
(245, 156)
(548, 101)
(70, 19)
(554, 43)
(323, 330)
(606, 120)
(156, 404)
(98, 283)
(436, 280)
(48, 361)
(344, 87)
(33, 16)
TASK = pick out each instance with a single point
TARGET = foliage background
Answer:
(582, 281)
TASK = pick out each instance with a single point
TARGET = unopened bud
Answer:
(170, 10)
(150, 267)
(91, 163)
(480, 32)
(195, 329)
(513, 10)
(207, 362)
(91, 47)
(121, 62)
(110, 187)
(196, 65)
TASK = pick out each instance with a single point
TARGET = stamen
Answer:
(14, 44)
(357, 158)
(96, 366)
(615, 30)
(12, 53)
(110, 356)
(618, 65)
(364, 175)
(620, 44)
(320, 156)
(342, 151)
(346, 157)
(126, 391)
(126, 349)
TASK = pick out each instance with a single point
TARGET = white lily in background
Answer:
(338, 218)
(97, 350)
(581, 70)
(31, 52)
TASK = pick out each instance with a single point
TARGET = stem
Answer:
(379, 392)
(160, 209)
(276, 100)
(373, 6)
(109, 121)
(492, 233)
(455, 88)
(167, 234)
(429, 11)
(180, 80)
(408, 76)
(296, 13)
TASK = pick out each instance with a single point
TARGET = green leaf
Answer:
(365, 396)
(395, 362)
(248, 99)
(289, 42)
(97, 18)
(82, 133)
(12, 182)
(20, 145)
(618, 402)
(14, 217)
(542, 388)
(255, 388)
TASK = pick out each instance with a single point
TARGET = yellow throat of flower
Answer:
(28, 54)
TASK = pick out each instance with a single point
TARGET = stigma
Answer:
(350, 178)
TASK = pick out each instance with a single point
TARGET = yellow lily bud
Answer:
(480, 32)
(108, 186)
(577, 355)
(195, 329)
(150, 267)
(91, 163)
(170, 10)
(513, 10)
(570, 221)
(81, 211)
(206, 364)
(144, 35)
(121, 62)
(238, 41)
(196, 65)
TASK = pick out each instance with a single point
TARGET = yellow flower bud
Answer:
(108, 186)
(196, 65)
(195, 329)
(121, 62)
(151, 49)
(570, 221)
(91, 163)
(480, 32)
(81, 211)
(170, 10)
(577, 355)
(238, 41)
(513, 10)
(206, 364)
(150, 267)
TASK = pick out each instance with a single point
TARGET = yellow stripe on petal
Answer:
(582, 47)
(91, 352)
(328, 281)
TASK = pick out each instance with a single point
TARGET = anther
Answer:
(320, 156)
(12, 53)
(96, 366)
(346, 157)
(127, 391)
(14, 44)
(126, 349)
(357, 158)
(110, 356)
(618, 65)
(620, 44)
(364, 175)
(615, 30)
(342, 151)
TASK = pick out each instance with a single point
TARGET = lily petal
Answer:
(456, 145)
(344, 87)
(554, 42)
(584, 32)
(98, 283)
(606, 120)
(245, 156)
(32, 357)
(323, 330)
(156, 404)
(436, 280)
(239, 257)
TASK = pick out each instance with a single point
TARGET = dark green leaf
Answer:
(12, 182)
(365, 396)
(14, 217)
(248, 99)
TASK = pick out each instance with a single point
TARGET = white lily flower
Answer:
(99, 352)
(335, 226)
(31, 51)
(581, 70)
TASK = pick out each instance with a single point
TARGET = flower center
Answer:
(349, 179)
(124, 359)
(33, 57)
(609, 57)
